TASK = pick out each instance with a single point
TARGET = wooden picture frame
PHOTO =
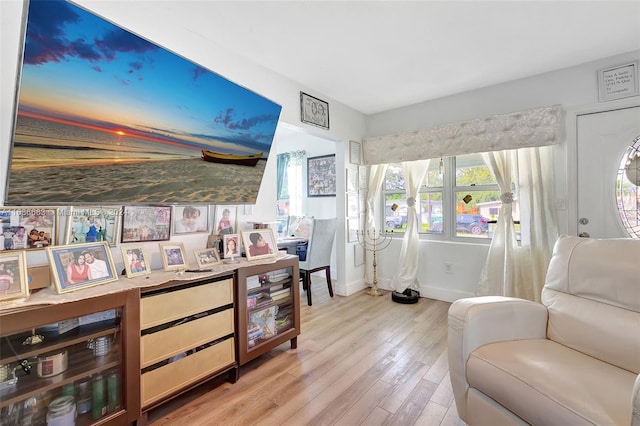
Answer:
(207, 257)
(14, 280)
(145, 223)
(90, 224)
(225, 220)
(321, 176)
(173, 256)
(79, 266)
(314, 111)
(190, 219)
(21, 224)
(260, 243)
(136, 261)
(230, 252)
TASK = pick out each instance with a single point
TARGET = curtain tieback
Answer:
(411, 202)
(506, 197)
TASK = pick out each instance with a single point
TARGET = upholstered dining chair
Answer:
(323, 233)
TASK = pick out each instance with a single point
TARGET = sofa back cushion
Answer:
(592, 293)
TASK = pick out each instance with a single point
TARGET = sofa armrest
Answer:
(477, 321)
(635, 403)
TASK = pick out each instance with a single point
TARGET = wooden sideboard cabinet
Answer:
(76, 357)
(268, 307)
(187, 336)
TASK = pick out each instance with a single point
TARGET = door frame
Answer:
(571, 187)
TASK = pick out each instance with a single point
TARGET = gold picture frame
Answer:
(173, 256)
(207, 257)
(13, 276)
(260, 243)
(79, 266)
(136, 261)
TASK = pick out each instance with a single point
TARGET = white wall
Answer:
(574, 88)
(150, 21)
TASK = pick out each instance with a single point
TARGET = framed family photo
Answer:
(207, 257)
(136, 261)
(225, 220)
(321, 176)
(190, 219)
(146, 223)
(173, 256)
(13, 276)
(91, 224)
(231, 246)
(260, 243)
(79, 266)
(28, 228)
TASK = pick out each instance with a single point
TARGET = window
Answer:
(459, 198)
(290, 187)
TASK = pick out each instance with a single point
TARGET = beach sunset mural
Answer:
(105, 116)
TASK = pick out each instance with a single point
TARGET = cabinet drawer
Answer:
(164, 344)
(165, 307)
(164, 381)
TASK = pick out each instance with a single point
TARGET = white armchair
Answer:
(572, 359)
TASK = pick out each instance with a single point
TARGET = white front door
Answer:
(602, 140)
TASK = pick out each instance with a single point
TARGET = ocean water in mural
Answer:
(104, 116)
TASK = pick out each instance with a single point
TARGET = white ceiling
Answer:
(379, 55)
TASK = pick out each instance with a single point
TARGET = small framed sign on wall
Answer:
(314, 111)
(618, 82)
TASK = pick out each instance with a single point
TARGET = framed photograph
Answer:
(136, 261)
(618, 82)
(321, 176)
(260, 243)
(354, 152)
(231, 246)
(173, 256)
(145, 223)
(352, 229)
(80, 266)
(190, 219)
(28, 228)
(314, 111)
(352, 178)
(352, 204)
(225, 220)
(362, 177)
(14, 283)
(207, 257)
(92, 224)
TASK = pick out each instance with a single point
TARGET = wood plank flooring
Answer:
(360, 360)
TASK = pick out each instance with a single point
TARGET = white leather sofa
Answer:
(573, 359)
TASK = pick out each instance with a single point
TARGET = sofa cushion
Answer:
(544, 382)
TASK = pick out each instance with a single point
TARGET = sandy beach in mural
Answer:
(146, 182)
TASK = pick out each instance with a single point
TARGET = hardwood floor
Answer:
(360, 360)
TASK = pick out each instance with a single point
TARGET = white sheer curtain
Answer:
(376, 182)
(512, 270)
(407, 272)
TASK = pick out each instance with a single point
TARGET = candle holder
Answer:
(374, 241)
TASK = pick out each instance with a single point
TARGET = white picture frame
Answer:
(354, 152)
(174, 257)
(190, 219)
(225, 220)
(618, 82)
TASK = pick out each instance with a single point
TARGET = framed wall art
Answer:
(207, 257)
(321, 176)
(146, 223)
(354, 152)
(225, 220)
(260, 243)
(314, 111)
(79, 266)
(173, 256)
(14, 283)
(28, 228)
(136, 261)
(190, 219)
(618, 82)
(91, 224)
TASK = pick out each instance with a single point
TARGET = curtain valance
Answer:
(535, 127)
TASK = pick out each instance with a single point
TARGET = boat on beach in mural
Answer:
(218, 157)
